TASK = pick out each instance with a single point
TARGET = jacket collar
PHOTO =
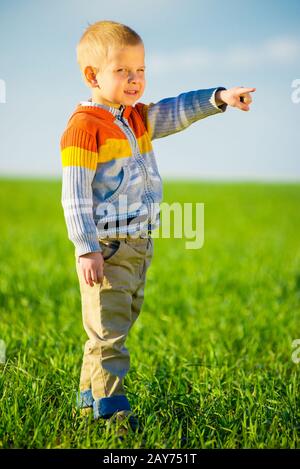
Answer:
(104, 111)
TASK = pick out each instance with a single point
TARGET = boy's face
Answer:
(124, 71)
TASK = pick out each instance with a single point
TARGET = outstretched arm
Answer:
(171, 115)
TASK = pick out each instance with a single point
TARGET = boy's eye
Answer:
(122, 69)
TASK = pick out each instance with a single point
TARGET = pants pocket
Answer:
(109, 248)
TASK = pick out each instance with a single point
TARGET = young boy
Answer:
(110, 188)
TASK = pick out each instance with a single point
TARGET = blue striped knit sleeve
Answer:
(171, 115)
(79, 162)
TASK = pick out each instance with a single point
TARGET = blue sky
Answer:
(189, 45)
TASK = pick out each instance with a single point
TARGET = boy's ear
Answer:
(90, 75)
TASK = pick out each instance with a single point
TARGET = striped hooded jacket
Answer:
(110, 181)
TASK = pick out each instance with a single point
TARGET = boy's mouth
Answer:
(131, 92)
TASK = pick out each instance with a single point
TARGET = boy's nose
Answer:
(133, 77)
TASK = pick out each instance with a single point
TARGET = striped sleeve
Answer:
(171, 115)
(79, 162)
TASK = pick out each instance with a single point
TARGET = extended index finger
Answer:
(246, 90)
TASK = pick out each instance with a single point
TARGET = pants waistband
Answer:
(126, 222)
(127, 239)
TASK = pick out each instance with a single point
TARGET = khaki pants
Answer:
(109, 311)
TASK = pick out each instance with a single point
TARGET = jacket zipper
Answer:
(139, 159)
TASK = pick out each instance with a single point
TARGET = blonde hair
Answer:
(95, 43)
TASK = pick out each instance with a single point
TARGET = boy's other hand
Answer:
(233, 96)
(92, 267)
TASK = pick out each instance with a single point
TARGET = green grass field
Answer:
(211, 353)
